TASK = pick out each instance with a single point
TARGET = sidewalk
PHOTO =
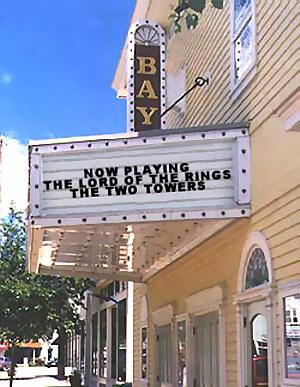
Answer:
(44, 381)
(34, 377)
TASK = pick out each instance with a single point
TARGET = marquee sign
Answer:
(146, 76)
(184, 175)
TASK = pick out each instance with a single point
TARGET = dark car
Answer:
(5, 363)
(51, 363)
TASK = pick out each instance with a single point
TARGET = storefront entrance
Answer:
(257, 343)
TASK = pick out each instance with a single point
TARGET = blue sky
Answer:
(57, 63)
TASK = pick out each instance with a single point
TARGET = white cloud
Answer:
(14, 175)
(5, 78)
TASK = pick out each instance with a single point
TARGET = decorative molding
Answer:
(205, 301)
(255, 294)
(163, 316)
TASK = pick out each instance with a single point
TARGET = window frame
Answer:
(94, 344)
(108, 306)
(178, 319)
(238, 85)
(286, 291)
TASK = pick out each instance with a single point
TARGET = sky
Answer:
(57, 62)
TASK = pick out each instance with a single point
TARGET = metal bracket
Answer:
(199, 82)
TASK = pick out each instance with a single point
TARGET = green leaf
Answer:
(196, 5)
(218, 3)
(177, 28)
(191, 21)
(172, 16)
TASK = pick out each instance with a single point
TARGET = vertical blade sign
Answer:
(146, 77)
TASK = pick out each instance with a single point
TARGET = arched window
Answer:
(257, 270)
(255, 266)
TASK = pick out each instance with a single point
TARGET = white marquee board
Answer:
(136, 179)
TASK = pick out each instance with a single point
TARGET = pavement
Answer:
(34, 377)
(44, 381)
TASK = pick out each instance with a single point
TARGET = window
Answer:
(242, 39)
(257, 270)
(144, 349)
(103, 344)
(291, 308)
(181, 353)
(94, 343)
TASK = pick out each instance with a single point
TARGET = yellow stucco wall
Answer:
(275, 163)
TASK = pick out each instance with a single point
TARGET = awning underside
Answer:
(114, 252)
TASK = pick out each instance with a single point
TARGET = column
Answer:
(129, 333)
(109, 343)
(87, 370)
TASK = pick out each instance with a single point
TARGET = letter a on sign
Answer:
(146, 77)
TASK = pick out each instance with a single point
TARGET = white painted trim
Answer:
(138, 217)
(163, 316)
(105, 142)
(129, 332)
(242, 171)
(255, 239)
(285, 291)
(205, 301)
(181, 317)
(252, 295)
(244, 298)
(238, 86)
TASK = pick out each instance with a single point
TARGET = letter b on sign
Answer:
(147, 65)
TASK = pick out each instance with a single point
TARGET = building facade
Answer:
(213, 266)
(221, 307)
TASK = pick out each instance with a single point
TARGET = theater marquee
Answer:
(188, 174)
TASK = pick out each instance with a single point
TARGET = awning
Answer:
(30, 344)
